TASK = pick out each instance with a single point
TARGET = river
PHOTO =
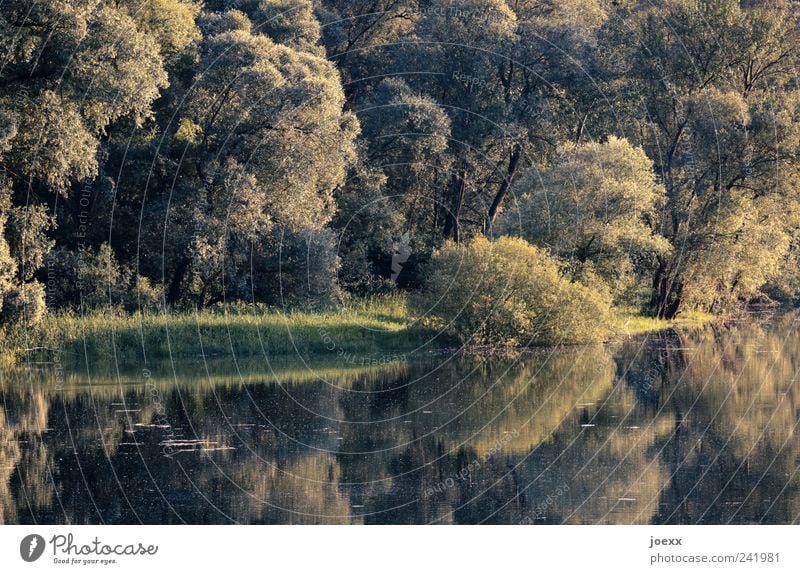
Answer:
(683, 427)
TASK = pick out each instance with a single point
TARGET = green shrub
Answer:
(25, 304)
(508, 292)
(291, 268)
(88, 279)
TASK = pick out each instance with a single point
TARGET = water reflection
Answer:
(694, 427)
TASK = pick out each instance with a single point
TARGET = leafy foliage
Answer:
(509, 292)
(597, 204)
(290, 152)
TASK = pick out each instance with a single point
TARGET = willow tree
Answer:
(8, 266)
(719, 115)
(596, 205)
(170, 22)
(464, 40)
(263, 143)
(360, 35)
(68, 72)
(515, 78)
(289, 22)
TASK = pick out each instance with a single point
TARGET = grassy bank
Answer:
(378, 329)
(629, 323)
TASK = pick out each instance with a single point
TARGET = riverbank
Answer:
(628, 323)
(371, 330)
(379, 327)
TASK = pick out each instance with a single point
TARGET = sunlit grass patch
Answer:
(368, 327)
(628, 322)
(365, 331)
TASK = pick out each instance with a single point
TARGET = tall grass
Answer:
(354, 333)
(628, 322)
(371, 331)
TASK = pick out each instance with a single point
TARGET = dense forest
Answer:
(539, 158)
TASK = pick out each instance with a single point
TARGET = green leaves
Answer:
(279, 112)
(509, 293)
(595, 203)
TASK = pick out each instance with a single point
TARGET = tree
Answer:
(8, 266)
(719, 115)
(357, 34)
(170, 22)
(262, 143)
(406, 137)
(503, 77)
(597, 203)
(68, 72)
(290, 22)
(367, 223)
(466, 40)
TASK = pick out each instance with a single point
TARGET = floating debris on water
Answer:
(193, 445)
(184, 442)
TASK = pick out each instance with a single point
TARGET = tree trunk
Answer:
(174, 294)
(451, 222)
(667, 294)
(513, 163)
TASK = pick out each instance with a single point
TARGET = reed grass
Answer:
(370, 331)
(630, 323)
(366, 331)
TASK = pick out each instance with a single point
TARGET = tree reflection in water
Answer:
(675, 428)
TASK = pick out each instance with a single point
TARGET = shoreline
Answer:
(366, 333)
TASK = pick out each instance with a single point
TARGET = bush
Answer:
(24, 304)
(508, 292)
(292, 268)
(85, 279)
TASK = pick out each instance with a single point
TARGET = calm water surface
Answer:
(690, 427)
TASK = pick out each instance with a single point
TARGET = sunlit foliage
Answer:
(509, 292)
